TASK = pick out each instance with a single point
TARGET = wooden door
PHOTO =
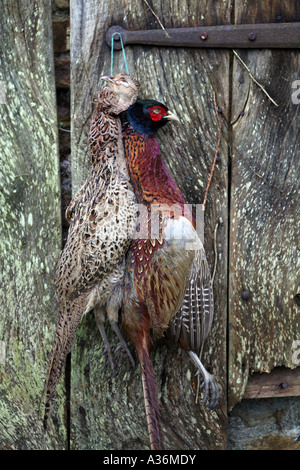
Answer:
(108, 413)
(251, 220)
(264, 262)
(254, 195)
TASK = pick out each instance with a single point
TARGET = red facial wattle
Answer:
(157, 112)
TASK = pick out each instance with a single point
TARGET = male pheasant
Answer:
(168, 287)
(102, 217)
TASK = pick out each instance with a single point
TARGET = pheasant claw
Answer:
(107, 349)
(122, 343)
(211, 391)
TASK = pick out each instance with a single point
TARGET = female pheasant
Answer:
(168, 287)
(102, 217)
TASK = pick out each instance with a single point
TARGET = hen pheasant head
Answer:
(124, 89)
(147, 116)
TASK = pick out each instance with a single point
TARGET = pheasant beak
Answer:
(107, 79)
(171, 117)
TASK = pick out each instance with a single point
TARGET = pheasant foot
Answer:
(211, 390)
(107, 348)
(122, 343)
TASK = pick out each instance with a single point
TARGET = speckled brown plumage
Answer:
(102, 217)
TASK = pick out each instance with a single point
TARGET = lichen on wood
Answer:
(264, 208)
(30, 233)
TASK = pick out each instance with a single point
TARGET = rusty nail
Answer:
(246, 294)
(251, 36)
(203, 36)
(283, 385)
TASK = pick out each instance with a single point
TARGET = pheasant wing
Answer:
(193, 321)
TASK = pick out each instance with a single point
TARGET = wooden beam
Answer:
(281, 382)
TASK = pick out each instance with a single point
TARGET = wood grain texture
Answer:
(281, 382)
(264, 206)
(109, 413)
(30, 235)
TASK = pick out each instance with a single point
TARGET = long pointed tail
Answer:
(56, 362)
(69, 318)
(151, 399)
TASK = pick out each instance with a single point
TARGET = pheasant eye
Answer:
(121, 82)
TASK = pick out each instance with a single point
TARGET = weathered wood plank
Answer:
(264, 206)
(281, 382)
(30, 233)
(107, 413)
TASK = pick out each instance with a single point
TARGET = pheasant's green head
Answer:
(147, 116)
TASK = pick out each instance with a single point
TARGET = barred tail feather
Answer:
(54, 372)
(151, 400)
(69, 319)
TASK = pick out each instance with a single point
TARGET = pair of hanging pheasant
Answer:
(161, 286)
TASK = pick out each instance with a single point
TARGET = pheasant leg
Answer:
(210, 385)
(122, 341)
(99, 317)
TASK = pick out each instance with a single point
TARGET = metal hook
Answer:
(112, 53)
